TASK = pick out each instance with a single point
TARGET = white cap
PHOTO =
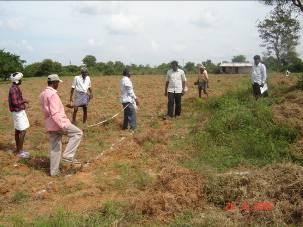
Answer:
(16, 77)
(54, 77)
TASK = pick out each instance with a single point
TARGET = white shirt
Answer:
(175, 79)
(258, 74)
(79, 84)
(127, 90)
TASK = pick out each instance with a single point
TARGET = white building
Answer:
(235, 67)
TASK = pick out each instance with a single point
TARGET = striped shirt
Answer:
(15, 99)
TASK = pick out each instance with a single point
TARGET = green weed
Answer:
(240, 131)
(19, 197)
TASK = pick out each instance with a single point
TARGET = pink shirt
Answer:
(53, 109)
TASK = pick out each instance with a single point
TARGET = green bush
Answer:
(240, 131)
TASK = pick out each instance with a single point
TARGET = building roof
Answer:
(236, 64)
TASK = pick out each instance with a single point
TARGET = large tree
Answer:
(89, 60)
(294, 4)
(9, 63)
(280, 33)
(239, 58)
(44, 68)
(190, 67)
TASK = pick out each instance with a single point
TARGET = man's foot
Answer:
(56, 174)
(23, 154)
(166, 117)
(70, 160)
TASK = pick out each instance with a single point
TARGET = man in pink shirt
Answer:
(57, 124)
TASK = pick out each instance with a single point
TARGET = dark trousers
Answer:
(257, 91)
(129, 116)
(174, 104)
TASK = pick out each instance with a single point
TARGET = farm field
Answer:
(168, 172)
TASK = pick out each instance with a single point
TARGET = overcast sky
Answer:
(131, 32)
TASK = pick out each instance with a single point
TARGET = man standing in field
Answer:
(174, 89)
(202, 80)
(129, 101)
(17, 108)
(83, 93)
(258, 76)
(57, 124)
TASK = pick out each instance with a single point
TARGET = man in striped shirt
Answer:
(17, 108)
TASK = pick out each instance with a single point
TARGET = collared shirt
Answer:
(15, 99)
(127, 90)
(175, 79)
(258, 74)
(80, 84)
(53, 109)
(203, 76)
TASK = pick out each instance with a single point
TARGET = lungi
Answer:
(202, 85)
(81, 99)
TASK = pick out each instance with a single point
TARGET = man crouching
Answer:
(56, 124)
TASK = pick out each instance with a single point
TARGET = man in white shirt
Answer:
(129, 101)
(174, 89)
(83, 94)
(258, 76)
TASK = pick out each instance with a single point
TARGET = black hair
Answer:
(174, 62)
(126, 72)
(257, 57)
(14, 74)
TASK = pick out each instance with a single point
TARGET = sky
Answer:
(138, 32)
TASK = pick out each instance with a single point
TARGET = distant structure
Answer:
(235, 67)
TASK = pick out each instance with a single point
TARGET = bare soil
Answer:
(140, 169)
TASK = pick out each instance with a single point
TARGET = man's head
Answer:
(257, 59)
(53, 81)
(126, 72)
(201, 68)
(84, 72)
(16, 78)
(174, 65)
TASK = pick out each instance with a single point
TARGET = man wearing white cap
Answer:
(17, 107)
(202, 80)
(83, 93)
(57, 124)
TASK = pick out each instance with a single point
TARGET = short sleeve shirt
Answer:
(175, 79)
(80, 84)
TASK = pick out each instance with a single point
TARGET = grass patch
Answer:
(19, 197)
(240, 131)
(130, 176)
(183, 220)
(111, 214)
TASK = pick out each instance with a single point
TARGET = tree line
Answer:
(10, 63)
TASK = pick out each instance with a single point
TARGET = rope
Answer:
(102, 122)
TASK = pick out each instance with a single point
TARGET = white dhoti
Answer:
(20, 120)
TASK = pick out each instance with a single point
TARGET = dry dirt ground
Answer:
(139, 168)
